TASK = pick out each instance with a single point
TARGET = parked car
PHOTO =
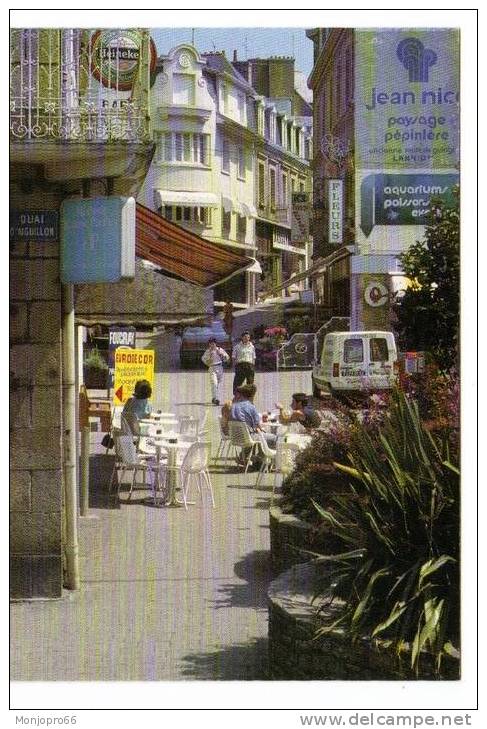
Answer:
(194, 341)
(356, 362)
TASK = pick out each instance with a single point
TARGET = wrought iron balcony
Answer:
(80, 85)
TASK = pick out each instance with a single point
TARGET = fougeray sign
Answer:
(402, 199)
(407, 98)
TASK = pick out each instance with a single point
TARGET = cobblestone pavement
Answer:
(165, 594)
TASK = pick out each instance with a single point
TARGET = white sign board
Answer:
(335, 211)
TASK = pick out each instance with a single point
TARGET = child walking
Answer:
(213, 358)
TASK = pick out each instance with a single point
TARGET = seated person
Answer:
(137, 406)
(301, 412)
(244, 410)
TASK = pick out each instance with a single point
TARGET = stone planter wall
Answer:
(294, 655)
(290, 534)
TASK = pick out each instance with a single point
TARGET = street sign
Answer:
(40, 226)
(131, 365)
(118, 337)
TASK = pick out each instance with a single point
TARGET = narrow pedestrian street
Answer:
(166, 594)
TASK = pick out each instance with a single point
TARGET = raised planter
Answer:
(294, 655)
(289, 536)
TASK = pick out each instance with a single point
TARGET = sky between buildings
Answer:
(248, 42)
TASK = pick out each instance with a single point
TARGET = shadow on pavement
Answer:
(101, 466)
(255, 569)
(241, 662)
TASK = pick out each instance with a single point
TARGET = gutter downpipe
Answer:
(69, 439)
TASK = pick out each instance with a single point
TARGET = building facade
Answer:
(79, 126)
(228, 160)
(373, 179)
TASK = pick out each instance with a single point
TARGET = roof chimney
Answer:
(235, 59)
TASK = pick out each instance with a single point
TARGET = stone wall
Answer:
(35, 411)
(290, 535)
(294, 655)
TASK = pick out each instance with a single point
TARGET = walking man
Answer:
(214, 357)
(244, 358)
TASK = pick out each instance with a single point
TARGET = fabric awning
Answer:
(186, 199)
(255, 267)
(182, 253)
(150, 299)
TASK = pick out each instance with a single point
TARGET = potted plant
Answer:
(268, 345)
(95, 370)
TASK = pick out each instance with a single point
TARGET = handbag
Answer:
(107, 441)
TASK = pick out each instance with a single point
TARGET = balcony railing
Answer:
(80, 85)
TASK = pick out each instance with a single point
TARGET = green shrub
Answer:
(95, 360)
(398, 527)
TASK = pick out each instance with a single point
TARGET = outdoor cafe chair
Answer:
(225, 445)
(128, 460)
(203, 429)
(241, 438)
(268, 457)
(188, 425)
(284, 460)
(194, 468)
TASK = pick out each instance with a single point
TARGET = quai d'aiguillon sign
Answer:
(34, 225)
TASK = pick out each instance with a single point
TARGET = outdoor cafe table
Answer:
(172, 450)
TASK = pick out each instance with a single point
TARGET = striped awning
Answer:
(180, 252)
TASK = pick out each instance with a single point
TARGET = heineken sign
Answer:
(115, 57)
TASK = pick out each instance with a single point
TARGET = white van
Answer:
(356, 361)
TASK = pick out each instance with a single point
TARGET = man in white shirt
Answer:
(214, 357)
(244, 359)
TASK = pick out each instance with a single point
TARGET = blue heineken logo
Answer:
(416, 59)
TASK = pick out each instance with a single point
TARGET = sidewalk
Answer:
(165, 594)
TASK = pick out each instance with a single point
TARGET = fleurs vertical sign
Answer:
(335, 214)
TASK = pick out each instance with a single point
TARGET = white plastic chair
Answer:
(203, 430)
(269, 457)
(241, 438)
(188, 425)
(225, 445)
(284, 460)
(194, 467)
(127, 459)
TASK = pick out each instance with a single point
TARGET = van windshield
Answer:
(378, 350)
(353, 351)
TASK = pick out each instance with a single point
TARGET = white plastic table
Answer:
(172, 450)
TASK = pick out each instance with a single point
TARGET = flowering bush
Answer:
(276, 335)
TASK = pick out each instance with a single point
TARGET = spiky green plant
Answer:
(399, 527)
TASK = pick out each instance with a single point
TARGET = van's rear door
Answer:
(380, 361)
(352, 366)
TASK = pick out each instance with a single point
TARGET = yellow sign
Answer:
(131, 365)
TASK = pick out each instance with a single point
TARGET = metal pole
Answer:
(69, 440)
(85, 470)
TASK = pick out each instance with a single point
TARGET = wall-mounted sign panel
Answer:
(131, 365)
(118, 337)
(39, 226)
(335, 212)
(401, 199)
(407, 96)
(97, 239)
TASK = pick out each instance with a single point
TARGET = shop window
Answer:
(225, 156)
(226, 224)
(241, 228)
(272, 180)
(241, 163)
(168, 212)
(261, 185)
(179, 213)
